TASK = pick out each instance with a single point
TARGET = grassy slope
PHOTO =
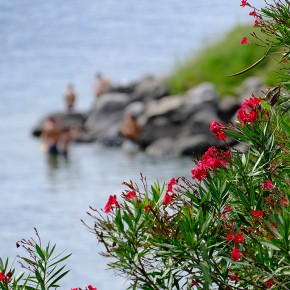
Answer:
(226, 57)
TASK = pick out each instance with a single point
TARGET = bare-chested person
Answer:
(51, 133)
(103, 85)
(70, 97)
(56, 139)
(130, 128)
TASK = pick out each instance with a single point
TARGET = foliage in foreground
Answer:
(229, 227)
(43, 268)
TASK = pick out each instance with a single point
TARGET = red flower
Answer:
(90, 287)
(217, 128)
(224, 216)
(269, 283)
(74, 289)
(230, 236)
(257, 213)
(227, 208)
(147, 208)
(244, 3)
(235, 277)
(212, 163)
(167, 199)
(244, 40)
(236, 254)
(111, 203)
(257, 23)
(246, 115)
(213, 158)
(267, 185)
(130, 194)
(239, 238)
(210, 153)
(199, 173)
(170, 184)
(252, 103)
(285, 201)
(253, 13)
(2, 276)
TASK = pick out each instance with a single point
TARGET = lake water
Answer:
(43, 46)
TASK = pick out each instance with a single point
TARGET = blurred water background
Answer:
(43, 46)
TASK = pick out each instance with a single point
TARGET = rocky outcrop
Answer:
(67, 119)
(170, 125)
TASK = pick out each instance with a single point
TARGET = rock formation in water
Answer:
(170, 125)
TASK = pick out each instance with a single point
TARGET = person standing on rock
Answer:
(70, 97)
(103, 85)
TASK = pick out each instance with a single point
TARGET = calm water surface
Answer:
(44, 45)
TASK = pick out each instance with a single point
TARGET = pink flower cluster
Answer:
(111, 203)
(2, 276)
(236, 254)
(267, 185)
(248, 110)
(238, 238)
(257, 213)
(212, 159)
(167, 197)
(217, 129)
(130, 194)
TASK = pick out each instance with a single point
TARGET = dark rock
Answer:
(157, 128)
(193, 145)
(135, 109)
(110, 103)
(227, 108)
(167, 106)
(200, 121)
(176, 147)
(123, 88)
(199, 98)
(150, 89)
(104, 121)
(161, 147)
(203, 93)
(251, 86)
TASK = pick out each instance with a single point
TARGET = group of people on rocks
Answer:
(102, 86)
(56, 137)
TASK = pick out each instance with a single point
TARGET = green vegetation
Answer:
(221, 59)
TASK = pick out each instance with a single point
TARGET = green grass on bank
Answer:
(221, 59)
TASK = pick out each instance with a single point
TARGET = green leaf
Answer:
(52, 284)
(40, 253)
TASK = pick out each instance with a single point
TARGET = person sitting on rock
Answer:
(103, 85)
(70, 97)
(130, 128)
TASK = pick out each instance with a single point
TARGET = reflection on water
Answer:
(57, 161)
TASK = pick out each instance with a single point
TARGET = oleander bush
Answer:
(229, 226)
